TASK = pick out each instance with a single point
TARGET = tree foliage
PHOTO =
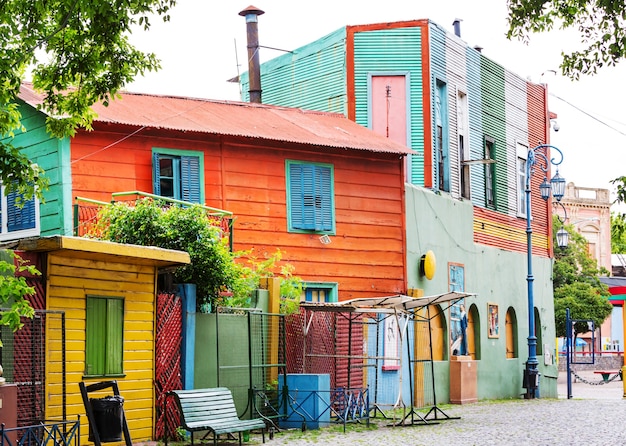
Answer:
(14, 290)
(221, 277)
(618, 219)
(77, 53)
(577, 285)
(601, 26)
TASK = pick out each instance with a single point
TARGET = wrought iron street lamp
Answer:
(537, 156)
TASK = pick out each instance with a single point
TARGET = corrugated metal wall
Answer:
(494, 118)
(312, 77)
(516, 132)
(475, 99)
(392, 50)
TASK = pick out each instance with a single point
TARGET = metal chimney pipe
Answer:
(251, 13)
(457, 27)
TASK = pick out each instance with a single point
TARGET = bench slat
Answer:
(213, 410)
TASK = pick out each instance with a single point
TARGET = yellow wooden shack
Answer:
(107, 291)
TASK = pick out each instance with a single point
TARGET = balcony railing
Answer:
(86, 211)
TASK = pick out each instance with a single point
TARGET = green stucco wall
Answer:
(496, 276)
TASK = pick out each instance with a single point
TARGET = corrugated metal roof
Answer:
(237, 119)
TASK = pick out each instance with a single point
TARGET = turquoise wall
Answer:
(312, 77)
(53, 155)
(496, 276)
(388, 51)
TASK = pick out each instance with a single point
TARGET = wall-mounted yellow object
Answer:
(428, 265)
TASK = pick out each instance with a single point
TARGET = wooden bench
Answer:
(606, 374)
(212, 410)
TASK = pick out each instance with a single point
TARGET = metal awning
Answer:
(388, 304)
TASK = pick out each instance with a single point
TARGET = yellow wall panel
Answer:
(69, 281)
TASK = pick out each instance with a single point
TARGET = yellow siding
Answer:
(69, 280)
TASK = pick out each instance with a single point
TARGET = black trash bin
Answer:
(108, 414)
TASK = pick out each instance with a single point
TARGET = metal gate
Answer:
(253, 370)
(168, 367)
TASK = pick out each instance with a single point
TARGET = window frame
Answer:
(104, 337)
(183, 157)
(490, 172)
(521, 160)
(330, 289)
(326, 189)
(442, 145)
(8, 202)
(464, 144)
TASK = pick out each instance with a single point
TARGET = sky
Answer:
(204, 45)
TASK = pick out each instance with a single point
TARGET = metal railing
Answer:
(57, 433)
(297, 407)
(86, 210)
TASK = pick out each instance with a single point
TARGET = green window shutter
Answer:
(190, 178)
(115, 337)
(104, 344)
(95, 336)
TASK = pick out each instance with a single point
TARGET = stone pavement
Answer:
(594, 416)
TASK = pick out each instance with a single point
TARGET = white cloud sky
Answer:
(204, 44)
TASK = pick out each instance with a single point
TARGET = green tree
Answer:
(576, 282)
(618, 234)
(77, 53)
(14, 289)
(601, 26)
(221, 277)
(618, 219)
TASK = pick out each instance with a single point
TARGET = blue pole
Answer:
(532, 364)
(531, 372)
(568, 340)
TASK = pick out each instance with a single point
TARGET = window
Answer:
(490, 177)
(310, 197)
(539, 347)
(522, 154)
(178, 174)
(441, 143)
(463, 133)
(473, 332)
(18, 221)
(437, 332)
(319, 292)
(510, 330)
(104, 336)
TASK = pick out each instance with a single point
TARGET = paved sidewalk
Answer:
(596, 415)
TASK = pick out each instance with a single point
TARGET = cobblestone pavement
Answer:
(596, 415)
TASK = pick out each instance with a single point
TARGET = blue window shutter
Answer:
(190, 178)
(310, 190)
(323, 208)
(18, 218)
(156, 174)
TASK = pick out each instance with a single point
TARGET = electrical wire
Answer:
(588, 114)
